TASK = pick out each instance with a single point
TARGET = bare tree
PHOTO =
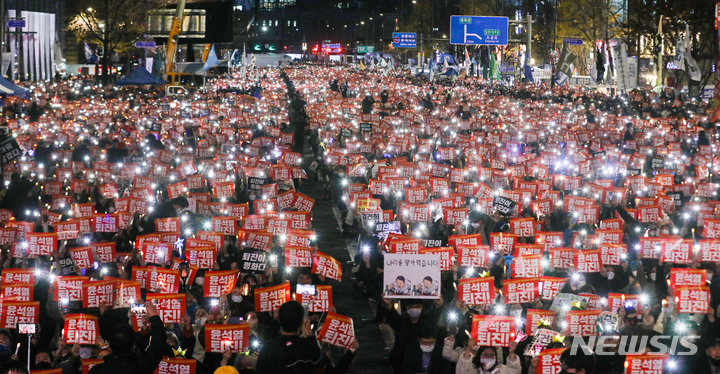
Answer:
(114, 24)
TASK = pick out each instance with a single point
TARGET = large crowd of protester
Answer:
(612, 212)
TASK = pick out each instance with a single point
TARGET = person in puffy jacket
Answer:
(482, 360)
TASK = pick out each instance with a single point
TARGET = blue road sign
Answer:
(19, 23)
(404, 40)
(573, 41)
(144, 44)
(471, 30)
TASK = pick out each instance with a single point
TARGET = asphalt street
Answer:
(372, 354)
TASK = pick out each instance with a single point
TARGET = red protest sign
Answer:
(7, 235)
(17, 292)
(549, 361)
(26, 276)
(218, 283)
(496, 331)
(14, 312)
(549, 239)
(299, 238)
(527, 266)
(473, 256)
(156, 252)
(320, 302)
(225, 225)
(327, 266)
(106, 222)
(551, 286)
(521, 290)
(618, 300)
(645, 364)
(157, 279)
(581, 322)
(98, 293)
(171, 224)
(337, 330)
(88, 363)
(692, 299)
(535, 316)
(474, 291)
(126, 293)
(684, 277)
(82, 257)
(202, 257)
(268, 299)
(455, 216)
(211, 236)
(404, 245)
(588, 261)
(469, 240)
(255, 239)
(523, 227)
(40, 244)
(103, 252)
(222, 338)
(170, 307)
(175, 366)
(677, 251)
(298, 257)
(81, 329)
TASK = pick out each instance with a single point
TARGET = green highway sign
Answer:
(366, 49)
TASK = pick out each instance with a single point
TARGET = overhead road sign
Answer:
(472, 30)
(404, 40)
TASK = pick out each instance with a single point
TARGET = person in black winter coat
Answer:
(123, 359)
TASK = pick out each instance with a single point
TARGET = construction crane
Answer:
(173, 77)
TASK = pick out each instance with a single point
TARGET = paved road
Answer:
(372, 355)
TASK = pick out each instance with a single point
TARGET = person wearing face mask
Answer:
(423, 355)
(485, 360)
(5, 344)
(407, 326)
(709, 360)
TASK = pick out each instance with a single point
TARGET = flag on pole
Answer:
(566, 64)
(212, 59)
(528, 70)
(679, 59)
(90, 56)
(494, 71)
(659, 67)
(693, 69)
